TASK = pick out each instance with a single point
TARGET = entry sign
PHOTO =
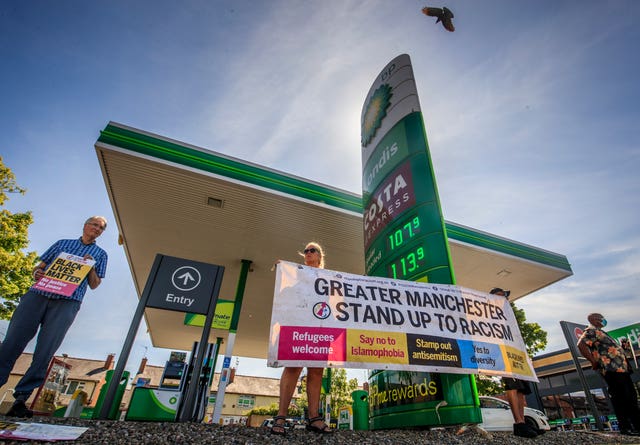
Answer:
(183, 285)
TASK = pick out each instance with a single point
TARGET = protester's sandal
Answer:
(324, 429)
(278, 428)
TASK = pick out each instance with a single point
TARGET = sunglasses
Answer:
(97, 225)
(310, 250)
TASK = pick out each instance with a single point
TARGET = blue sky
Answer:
(531, 110)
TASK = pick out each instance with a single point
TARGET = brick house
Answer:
(242, 393)
(85, 374)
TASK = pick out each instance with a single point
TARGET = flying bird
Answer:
(444, 15)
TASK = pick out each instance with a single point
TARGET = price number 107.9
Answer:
(407, 264)
(403, 234)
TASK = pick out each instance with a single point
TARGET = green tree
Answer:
(340, 390)
(16, 265)
(535, 339)
(488, 386)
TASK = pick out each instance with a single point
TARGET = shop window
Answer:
(558, 406)
(246, 401)
(552, 407)
(544, 383)
(556, 381)
(600, 399)
(573, 380)
(579, 403)
(71, 387)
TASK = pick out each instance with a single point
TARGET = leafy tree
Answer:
(535, 339)
(340, 390)
(488, 386)
(16, 266)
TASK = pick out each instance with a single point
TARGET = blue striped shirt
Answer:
(75, 247)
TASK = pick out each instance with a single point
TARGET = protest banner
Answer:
(326, 318)
(64, 274)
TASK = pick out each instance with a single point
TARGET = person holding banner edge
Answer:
(313, 257)
(52, 313)
(608, 357)
(515, 390)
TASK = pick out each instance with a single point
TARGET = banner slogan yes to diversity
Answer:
(326, 318)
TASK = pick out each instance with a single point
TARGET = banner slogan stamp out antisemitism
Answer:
(64, 274)
(326, 318)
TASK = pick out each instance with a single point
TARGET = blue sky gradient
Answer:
(531, 110)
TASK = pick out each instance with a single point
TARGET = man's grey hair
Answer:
(102, 218)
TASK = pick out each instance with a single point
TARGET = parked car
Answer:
(496, 416)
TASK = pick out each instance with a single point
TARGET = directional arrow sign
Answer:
(182, 285)
(174, 284)
(186, 278)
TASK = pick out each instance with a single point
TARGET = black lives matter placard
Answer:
(64, 274)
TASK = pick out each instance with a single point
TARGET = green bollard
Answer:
(115, 408)
(360, 410)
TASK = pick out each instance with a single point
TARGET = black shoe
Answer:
(523, 430)
(19, 409)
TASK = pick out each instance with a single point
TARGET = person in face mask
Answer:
(607, 356)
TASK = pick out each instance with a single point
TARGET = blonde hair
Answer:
(318, 247)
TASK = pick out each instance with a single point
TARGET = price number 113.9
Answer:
(408, 264)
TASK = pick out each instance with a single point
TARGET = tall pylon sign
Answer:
(405, 238)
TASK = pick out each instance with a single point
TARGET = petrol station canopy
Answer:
(180, 200)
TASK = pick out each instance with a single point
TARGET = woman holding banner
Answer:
(313, 257)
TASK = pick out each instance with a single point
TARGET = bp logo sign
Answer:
(376, 110)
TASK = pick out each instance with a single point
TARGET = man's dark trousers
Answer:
(54, 317)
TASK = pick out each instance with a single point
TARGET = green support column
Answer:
(405, 238)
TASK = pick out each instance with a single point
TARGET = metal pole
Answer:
(633, 352)
(224, 373)
(205, 389)
(187, 412)
(128, 343)
(327, 399)
(215, 359)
